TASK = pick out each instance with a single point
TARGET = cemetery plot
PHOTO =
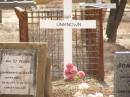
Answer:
(87, 43)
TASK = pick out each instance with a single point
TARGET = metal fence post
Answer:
(23, 24)
(101, 52)
(0, 16)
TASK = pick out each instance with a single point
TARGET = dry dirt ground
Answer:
(9, 32)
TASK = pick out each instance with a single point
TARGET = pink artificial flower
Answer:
(81, 74)
(70, 71)
(69, 66)
(70, 77)
(67, 71)
(74, 70)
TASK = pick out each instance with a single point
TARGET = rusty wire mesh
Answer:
(87, 43)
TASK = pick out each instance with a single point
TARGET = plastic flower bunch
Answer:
(81, 74)
(71, 72)
(78, 94)
(82, 88)
(95, 95)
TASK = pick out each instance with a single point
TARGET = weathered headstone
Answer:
(122, 74)
(17, 71)
(23, 69)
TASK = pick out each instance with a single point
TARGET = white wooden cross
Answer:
(69, 24)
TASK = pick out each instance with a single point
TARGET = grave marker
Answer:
(17, 71)
(122, 74)
(23, 70)
(67, 24)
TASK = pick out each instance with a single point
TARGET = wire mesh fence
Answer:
(87, 43)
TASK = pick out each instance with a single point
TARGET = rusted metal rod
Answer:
(23, 24)
(0, 16)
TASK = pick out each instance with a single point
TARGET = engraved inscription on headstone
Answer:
(17, 74)
(122, 75)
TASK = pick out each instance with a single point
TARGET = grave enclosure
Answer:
(24, 71)
(87, 43)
